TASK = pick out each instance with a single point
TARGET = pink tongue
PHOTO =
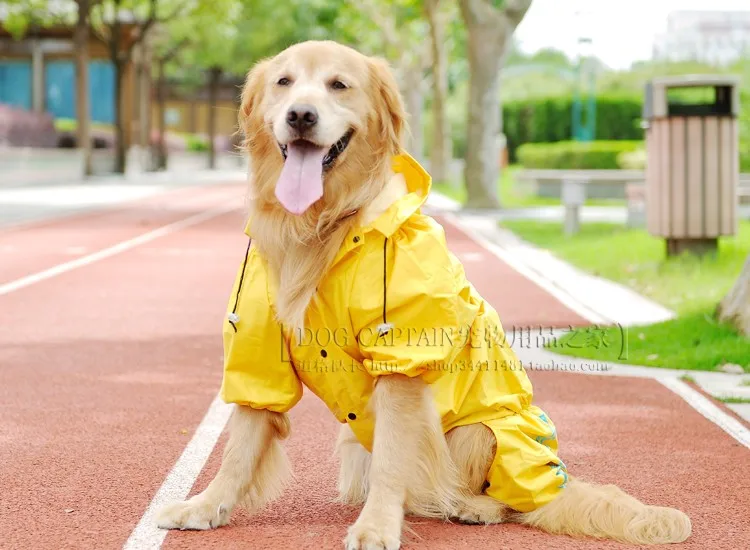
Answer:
(301, 180)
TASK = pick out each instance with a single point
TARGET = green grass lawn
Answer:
(512, 195)
(690, 286)
(735, 400)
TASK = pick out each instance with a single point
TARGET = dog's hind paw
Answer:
(196, 513)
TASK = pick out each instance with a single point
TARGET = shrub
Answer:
(66, 124)
(21, 128)
(573, 155)
(551, 119)
(632, 160)
(196, 144)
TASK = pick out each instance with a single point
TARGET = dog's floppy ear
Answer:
(252, 93)
(388, 104)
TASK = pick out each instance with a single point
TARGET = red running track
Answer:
(106, 371)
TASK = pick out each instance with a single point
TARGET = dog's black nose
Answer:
(302, 117)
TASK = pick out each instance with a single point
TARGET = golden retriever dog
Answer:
(323, 127)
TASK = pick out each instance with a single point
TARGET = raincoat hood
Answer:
(402, 196)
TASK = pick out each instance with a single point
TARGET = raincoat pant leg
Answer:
(526, 472)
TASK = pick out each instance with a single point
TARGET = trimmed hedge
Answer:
(551, 119)
(575, 155)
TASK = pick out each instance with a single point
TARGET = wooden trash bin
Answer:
(692, 173)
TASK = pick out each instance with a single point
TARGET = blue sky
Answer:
(622, 30)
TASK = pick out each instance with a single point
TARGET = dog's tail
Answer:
(605, 511)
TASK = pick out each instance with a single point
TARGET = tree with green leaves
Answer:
(204, 48)
(489, 26)
(122, 25)
(81, 41)
(164, 52)
(401, 35)
(30, 14)
(205, 40)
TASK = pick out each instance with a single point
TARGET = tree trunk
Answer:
(144, 96)
(735, 307)
(81, 39)
(489, 31)
(414, 99)
(120, 146)
(441, 153)
(481, 170)
(161, 147)
(214, 74)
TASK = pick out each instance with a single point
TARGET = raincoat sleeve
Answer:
(258, 372)
(421, 302)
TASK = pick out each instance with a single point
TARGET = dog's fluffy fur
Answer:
(413, 467)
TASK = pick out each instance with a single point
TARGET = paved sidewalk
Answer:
(34, 202)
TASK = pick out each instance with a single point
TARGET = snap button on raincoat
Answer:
(395, 300)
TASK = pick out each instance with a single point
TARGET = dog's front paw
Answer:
(197, 513)
(370, 535)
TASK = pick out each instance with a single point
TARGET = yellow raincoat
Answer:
(395, 273)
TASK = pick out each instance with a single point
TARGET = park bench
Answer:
(743, 191)
(601, 184)
(635, 192)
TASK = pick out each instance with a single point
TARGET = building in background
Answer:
(186, 107)
(37, 73)
(713, 37)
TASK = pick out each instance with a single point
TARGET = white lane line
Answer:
(180, 480)
(710, 411)
(59, 269)
(563, 297)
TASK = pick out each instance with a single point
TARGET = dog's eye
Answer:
(338, 85)
(283, 81)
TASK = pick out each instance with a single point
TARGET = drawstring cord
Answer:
(385, 326)
(233, 317)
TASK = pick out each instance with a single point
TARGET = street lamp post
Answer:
(584, 122)
(573, 190)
